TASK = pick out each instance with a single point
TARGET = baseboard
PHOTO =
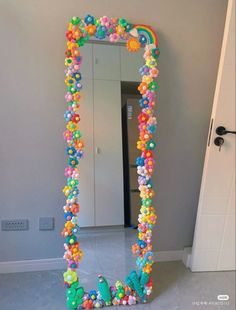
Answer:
(187, 254)
(168, 256)
(32, 265)
(59, 263)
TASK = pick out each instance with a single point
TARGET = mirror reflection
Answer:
(109, 195)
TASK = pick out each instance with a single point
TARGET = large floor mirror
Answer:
(105, 111)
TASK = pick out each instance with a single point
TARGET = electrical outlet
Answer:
(46, 223)
(13, 225)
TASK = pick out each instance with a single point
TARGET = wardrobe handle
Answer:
(97, 150)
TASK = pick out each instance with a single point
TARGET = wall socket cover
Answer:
(46, 223)
(15, 225)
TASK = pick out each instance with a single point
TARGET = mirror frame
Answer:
(138, 284)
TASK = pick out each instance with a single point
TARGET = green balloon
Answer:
(144, 278)
(136, 283)
(104, 289)
(70, 292)
(122, 22)
(80, 293)
(75, 20)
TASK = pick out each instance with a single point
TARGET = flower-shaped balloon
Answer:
(71, 126)
(151, 62)
(105, 21)
(74, 208)
(73, 193)
(75, 20)
(155, 53)
(79, 144)
(132, 300)
(72, 264)
(91, 29)
(71, 239)
(70, 276)
(78, 86)
(143, 117)
(71, 151)
(154, 72)
(147, 202)
(144, 70)
(147, 154)
(143, 87)
(151, 145)
(122, 22)
(75, 118)
(72, 182)
(68, 115)
(75, 229)
(144, 102)
(142, 180)
(77, 134)
(87, 304)
(147, 79)
(68, 61)
(69, 171)
(153, 86)
(140, 161)
(69, 225)
(76, 96)
(74, 220)
(68, 96)
(114, 37)
(97, 303)
(73, 162)
(101, 32)
(66, 190)
(93, 294)
(77, 76)
(68, 216)
(75, 173)
(89, 19)
(69, 81)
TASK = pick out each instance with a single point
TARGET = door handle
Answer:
(222, 131)
(219, 141)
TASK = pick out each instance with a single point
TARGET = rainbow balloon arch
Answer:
(137, 286)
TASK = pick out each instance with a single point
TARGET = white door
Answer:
(109, 202)
(214, 238)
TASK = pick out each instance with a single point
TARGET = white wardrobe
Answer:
(101, 169)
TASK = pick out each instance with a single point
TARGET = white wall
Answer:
(32, 105)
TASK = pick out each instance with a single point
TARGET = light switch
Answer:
(46, 223)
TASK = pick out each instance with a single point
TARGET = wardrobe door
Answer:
(87, 61)
(109, 204)
(86, 167)
(106, 62)
(130, 64)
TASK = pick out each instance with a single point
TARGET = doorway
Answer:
(130, 110)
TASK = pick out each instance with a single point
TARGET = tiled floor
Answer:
(175, 286)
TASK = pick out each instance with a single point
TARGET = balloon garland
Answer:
(138, 284)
